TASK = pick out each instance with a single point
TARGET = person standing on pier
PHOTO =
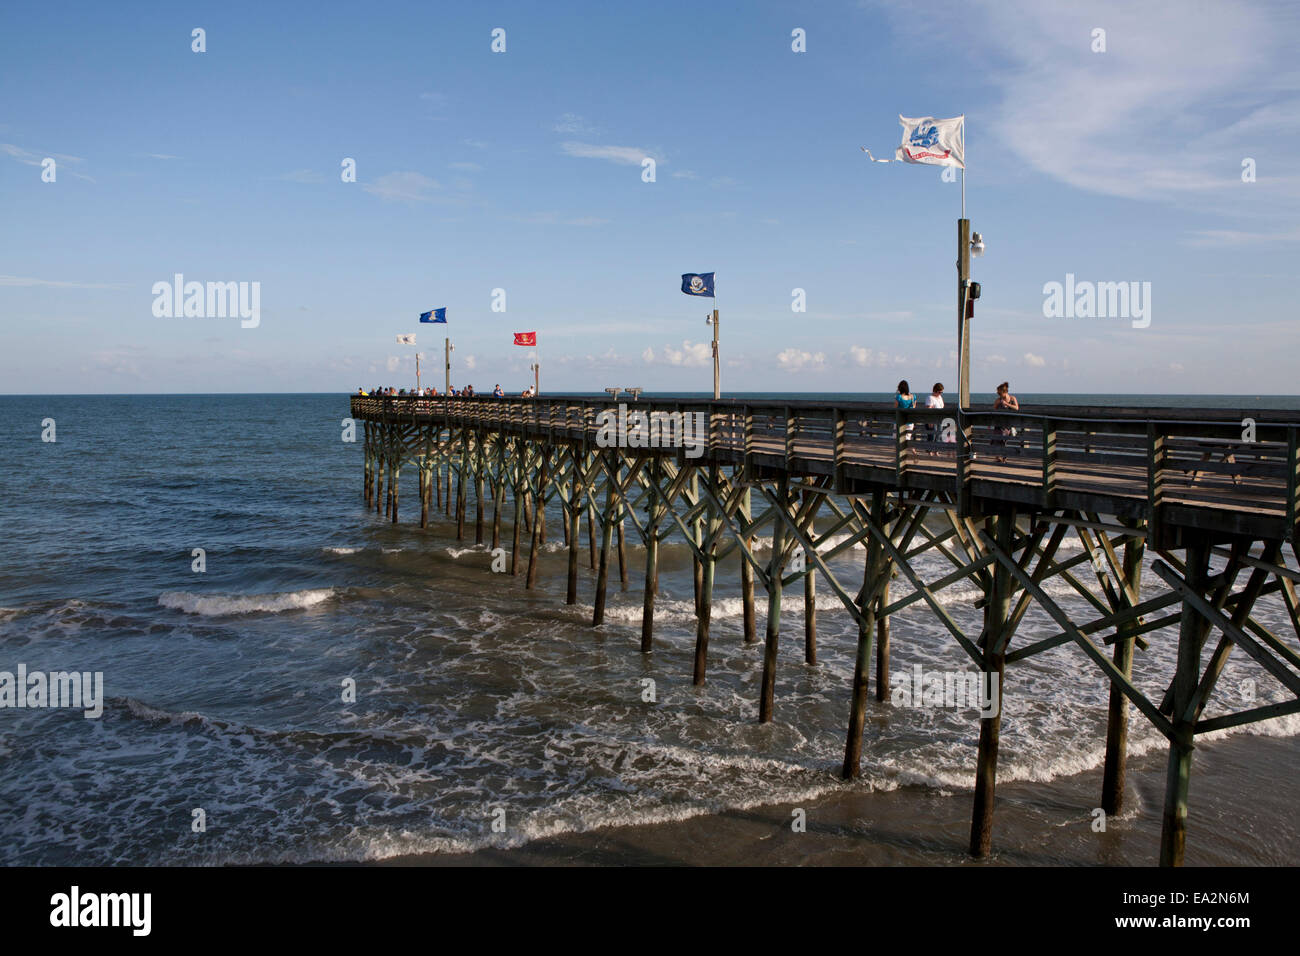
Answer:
(905, 399)
(935, 400)
(1005, 401)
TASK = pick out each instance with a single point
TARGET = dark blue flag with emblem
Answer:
(698, 283)
(434, 315)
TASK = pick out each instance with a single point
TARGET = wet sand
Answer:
(1242, 813)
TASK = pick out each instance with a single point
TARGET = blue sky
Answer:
(521, 170)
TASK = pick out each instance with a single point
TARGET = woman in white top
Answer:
(937, 432)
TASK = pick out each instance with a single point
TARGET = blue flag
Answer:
(698, 284)
(434, 315)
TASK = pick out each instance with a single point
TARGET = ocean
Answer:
(488, 718)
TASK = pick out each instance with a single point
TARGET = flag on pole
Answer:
(525, 338)
(406, 339)
(933, 142)
(700, 283)
(434, 315)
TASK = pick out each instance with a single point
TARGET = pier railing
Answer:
(1238, 466)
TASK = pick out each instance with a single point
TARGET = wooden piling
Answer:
(574, 516)
(461, 491)
(1192, 631)
(809, 597)
(651, 561)
(1112, 782)
(397, 471)
(365, 480)
(478, 493)
(707, 562)
(622, 553)
(747, 579)
(514, 527)
(606, 534)
(424, 495)
(767, 695)
(882, 645)
(872, 568)
(536, 543)
(591, 522)
(496, 485)
(996, 611)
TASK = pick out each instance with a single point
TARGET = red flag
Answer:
(525, 338)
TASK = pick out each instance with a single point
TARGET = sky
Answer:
(1166, 159)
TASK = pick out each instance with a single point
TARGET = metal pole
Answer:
(446, 347)
(717, 385)
(963, 324)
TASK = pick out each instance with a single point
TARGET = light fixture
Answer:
(708, 318)
(976, 245)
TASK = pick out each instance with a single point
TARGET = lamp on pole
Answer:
(448, 348)
(537, 371)
(968, 245)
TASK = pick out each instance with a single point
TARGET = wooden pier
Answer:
(1184, 485)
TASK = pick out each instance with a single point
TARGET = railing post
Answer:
(965, 454)
(899, 450)
(1292, 484)
(1157, 457)
(837, 448)
(749, 443)
(790, 426)
(1049, 464)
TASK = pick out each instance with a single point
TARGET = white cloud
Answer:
(403, 187)
(624, 155)
(996, 360)
(572, 123)
(27, 157)
(648, 355)
(798, 360)
(1034, 361)
(471, 363)
(28, 281)
(690, 354)
(860, 355)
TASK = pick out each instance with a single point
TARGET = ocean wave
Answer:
(217, 605)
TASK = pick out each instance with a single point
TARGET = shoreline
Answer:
(1036, 824)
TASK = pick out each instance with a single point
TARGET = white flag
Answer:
(933, 142)
(408, 339)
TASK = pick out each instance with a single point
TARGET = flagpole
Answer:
(717, 370)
